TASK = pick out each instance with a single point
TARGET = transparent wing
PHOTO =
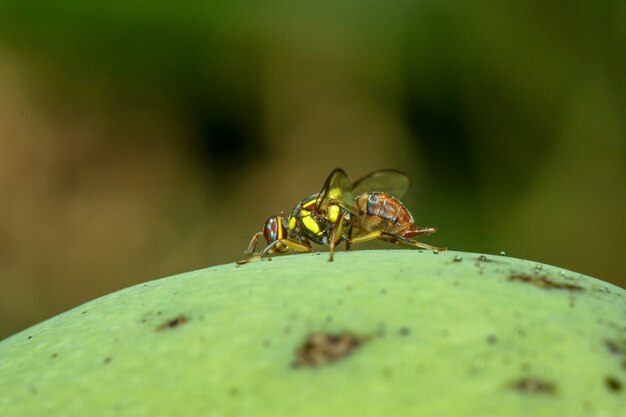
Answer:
(388, 181)
(337, 190)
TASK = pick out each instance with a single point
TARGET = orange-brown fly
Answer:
(358, 212)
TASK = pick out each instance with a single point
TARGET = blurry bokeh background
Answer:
(142, 139)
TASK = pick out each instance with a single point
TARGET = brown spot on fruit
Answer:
(544, 282)
(534, 385)
(323, 348)
(404, 331)
(613, 384)
(615, 347)
(173, 323)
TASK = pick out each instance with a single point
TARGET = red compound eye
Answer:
(270, 231)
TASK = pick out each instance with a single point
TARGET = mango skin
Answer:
(442, 334)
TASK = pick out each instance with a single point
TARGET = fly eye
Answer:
(270, 231)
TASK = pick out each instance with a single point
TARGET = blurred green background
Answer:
(141, 139)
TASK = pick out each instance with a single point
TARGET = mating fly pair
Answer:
(356, 212)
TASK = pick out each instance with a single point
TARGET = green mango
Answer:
(375, 333)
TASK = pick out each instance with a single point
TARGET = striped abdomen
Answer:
(381, 212)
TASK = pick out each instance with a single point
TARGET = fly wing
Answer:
(336, 190)
(388, 181)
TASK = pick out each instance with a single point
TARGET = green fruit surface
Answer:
(441, 334)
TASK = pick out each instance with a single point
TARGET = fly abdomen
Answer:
(388, 208)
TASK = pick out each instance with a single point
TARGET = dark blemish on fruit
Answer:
(383, 291)
(29, 337)
(322, 348)
(520, 331)
(84, 312)
(287, 330)
(108, 359)
(348, 288)
(159, 313)
(492, 340)
(445, 333)
(329, 319)
(54, 355)
(233, 391)
(483, 258)
(615, 347)
(458, 258)
(544, 282)
(269, 259)
(388, 372)
(613, 384)
(173, 323)
(533, 385)
(267, 343)
(404, 331)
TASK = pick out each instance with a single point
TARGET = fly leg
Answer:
(417, 231)
(364, 238)
(394, 238)
(253, 242)
(349, 237)
(288, 244)
(408, 241)
(335, 234)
